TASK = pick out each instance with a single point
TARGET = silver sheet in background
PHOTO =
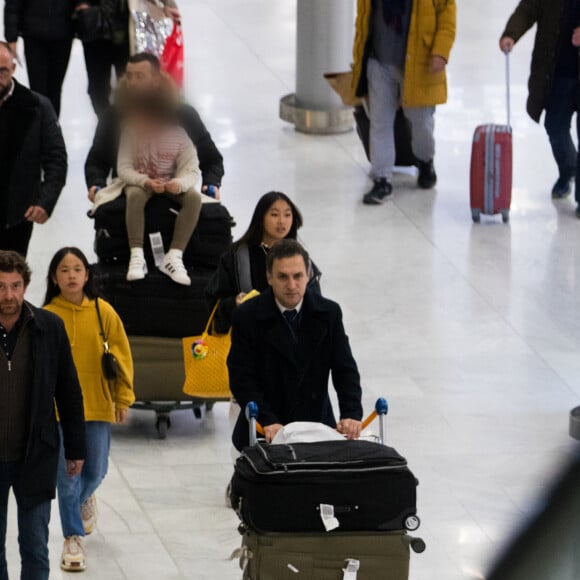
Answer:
(150, 34)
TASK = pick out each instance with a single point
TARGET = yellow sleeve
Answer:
(446, 25)
(119, 345)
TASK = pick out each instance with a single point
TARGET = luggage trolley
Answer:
(159, 377)
(300, 511)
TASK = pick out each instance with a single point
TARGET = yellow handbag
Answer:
(205, 360)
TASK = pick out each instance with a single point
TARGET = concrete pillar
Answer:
(325, 30)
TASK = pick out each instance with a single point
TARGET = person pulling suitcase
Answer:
(553, 84)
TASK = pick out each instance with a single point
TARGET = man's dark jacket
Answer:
(54, 380)
(549, 16)
(288, 380)
(36, 161)
(39, 19)
(102, 158)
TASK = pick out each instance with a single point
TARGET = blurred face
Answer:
(12, 291)
(71, 277)
(7, 68)
(288, 280)
(277, 221)
(141, 76)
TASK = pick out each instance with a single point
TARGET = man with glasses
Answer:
(33, 153)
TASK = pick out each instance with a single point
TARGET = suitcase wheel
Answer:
(197, 412)
(418, 545)
(162, 424)
(412, 523)
(476, 215)
(505, 216)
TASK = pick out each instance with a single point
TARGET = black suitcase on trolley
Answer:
(211, 238)
(155, 306)
(283, 488)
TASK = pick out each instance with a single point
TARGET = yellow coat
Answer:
(431, 32)
(82, 328)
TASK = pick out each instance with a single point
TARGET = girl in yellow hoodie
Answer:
(71, 295)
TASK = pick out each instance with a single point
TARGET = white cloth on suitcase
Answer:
(306, 432)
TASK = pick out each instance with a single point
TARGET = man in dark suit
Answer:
(285, 344)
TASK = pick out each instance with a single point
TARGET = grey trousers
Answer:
(185, 223)
(385, 91)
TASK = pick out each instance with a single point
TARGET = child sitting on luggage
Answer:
(156, 157)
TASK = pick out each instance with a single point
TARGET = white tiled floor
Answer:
(472, 332)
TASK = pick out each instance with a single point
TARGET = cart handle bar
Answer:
(381, 408)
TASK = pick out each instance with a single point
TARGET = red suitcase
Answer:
(491, 167)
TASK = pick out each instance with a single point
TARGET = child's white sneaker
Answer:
(174, 268)
(137, 265)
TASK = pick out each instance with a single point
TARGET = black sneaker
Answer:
(562, 188)
(380, 191)
(427, 177)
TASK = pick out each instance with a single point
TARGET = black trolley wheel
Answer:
(162, 425)
(418, 545)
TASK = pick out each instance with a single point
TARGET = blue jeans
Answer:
(561, 105)
(74, 491)
(32, 528)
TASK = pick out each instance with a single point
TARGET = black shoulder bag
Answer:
(109, 363)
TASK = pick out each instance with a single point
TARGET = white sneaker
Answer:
(89, 514)
(174, 268)
(137, 267)
(73, 555)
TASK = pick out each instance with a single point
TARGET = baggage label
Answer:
(157, 248)
(328, 519)
(352, 567)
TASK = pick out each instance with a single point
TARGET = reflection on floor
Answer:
(472, 332)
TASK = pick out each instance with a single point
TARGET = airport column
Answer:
(324, 36)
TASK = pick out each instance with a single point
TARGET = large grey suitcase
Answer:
(370, 556)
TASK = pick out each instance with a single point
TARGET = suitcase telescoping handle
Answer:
(508, 92)
(381, 410)
(252, 417)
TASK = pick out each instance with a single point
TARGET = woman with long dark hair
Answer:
(243, 267)
(70, 294)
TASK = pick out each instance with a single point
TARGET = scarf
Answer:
(393, 12)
